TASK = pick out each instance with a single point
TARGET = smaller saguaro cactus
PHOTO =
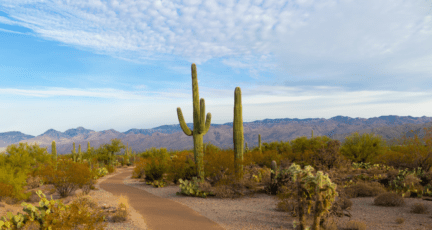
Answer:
(74, 152)
(312, 134)
(259, 143)
(54, 154)
(246, 147)
(88, 148)
(79, 153)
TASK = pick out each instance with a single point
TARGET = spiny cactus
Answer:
(88, 148)
(54, 154)
(246, 147)
(199, 130)
(79, 153)
(259, 143)
(238, 136)
(74, 152)
(312, 134)
(126, 158)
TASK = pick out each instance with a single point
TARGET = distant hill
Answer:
(172, 137)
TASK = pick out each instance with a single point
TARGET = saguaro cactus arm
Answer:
(183, 125)
(203, 129)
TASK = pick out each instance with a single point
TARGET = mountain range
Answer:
(172, 137)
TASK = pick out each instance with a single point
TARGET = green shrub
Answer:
(17, 179)
(182, 167)
(6, 190)
(71, 176)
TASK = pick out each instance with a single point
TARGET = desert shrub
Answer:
(329, 157)
(419, 208)
(397, 160)
(122, 210)
(300, 158)
(182, 167)
(363, 148)
(34, 182)
(389, 199)
(156, 167)
(365, 189)
(6, 189)
(411, 153)
(70, 176)
(32, 225)
(46, 173)
(355, 225)
(255, 156)
(268, 157)
(17, 178)
(139, 170)
(79, 212)
(110, 168)
(426, 178)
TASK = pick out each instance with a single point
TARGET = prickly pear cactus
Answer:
(32, 213)
(191, 188)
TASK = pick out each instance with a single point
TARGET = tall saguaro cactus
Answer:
(199, 130)
(238, 136)
(312, 134)
(54, 153)
(74, 152)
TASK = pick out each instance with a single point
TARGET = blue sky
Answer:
(126, 64)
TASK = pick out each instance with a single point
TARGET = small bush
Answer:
(400, 220)
(389, 199)
(6, 189)
(110, 168)
(355, 225)
(419, 208)
(32, 225)
(71, 176)
(77, 214)
(139, 170)
(364, 189)
(182, 167)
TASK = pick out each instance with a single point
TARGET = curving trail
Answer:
(159, 213)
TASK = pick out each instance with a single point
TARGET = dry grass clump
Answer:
(400, 220)
(122, 210)
(419, 208)
(355, 225)
(31, 225)
(389, 199)
(365, 189)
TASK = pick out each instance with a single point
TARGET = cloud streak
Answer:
(304, 55)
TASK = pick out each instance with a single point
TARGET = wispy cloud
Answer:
(332, 55)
